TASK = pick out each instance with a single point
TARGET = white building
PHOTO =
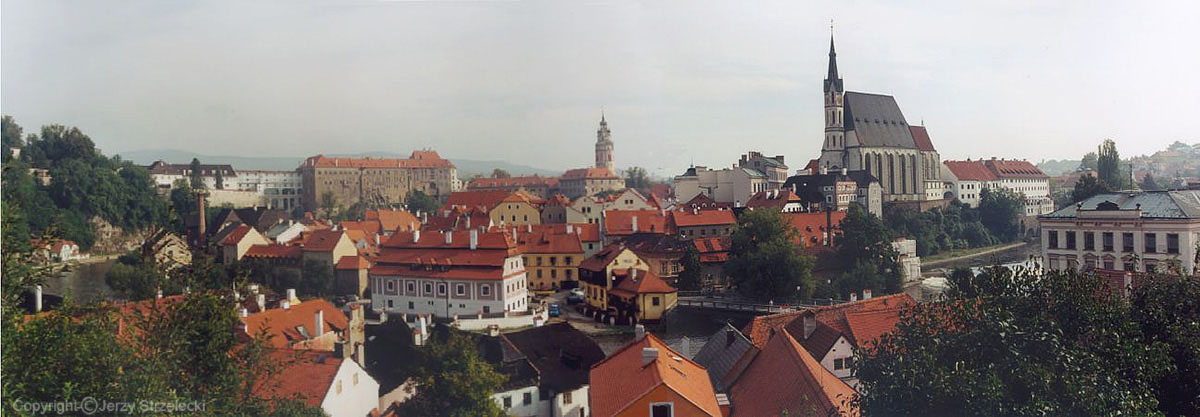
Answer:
(547, 369)
(339, 386)
(246, 188)
(449, 273)
(910, 263)
(730, 185)
(965, 180)
(1135, 231)
(279, 189)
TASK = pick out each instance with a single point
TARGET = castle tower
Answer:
(604, 145)
(833, 151)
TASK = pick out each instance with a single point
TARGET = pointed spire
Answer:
(832, 80)
(602, 121)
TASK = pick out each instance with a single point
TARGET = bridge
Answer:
(748, 306)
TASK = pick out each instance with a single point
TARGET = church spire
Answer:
(832, 80)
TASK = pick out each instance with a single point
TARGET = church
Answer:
(867, 132)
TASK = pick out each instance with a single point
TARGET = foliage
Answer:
(1108, 166)
(500, 173)
(690, 275)
(418, 201)
(1016, 344)
(197, 177)
(453, 380)
(1167, 309)
(316, 278)
(328, 203)
(636, 177)
(1089, 162)
(135, 278)
(10, 136)
(764, 263)
(1149, 183)
(1000, 211)
(865, 249)
(219, 180)
(1088, 186)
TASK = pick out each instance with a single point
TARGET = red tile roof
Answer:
(282, 326)
(513, 182)
(303, 375)
(431, 257)
(393, 220)
(704, 202)
(774, 198)
(970, 170)
(759, 329)
(600, 260)
(811, 226)
(365, 227)
(640, 282)
(353, 263)
(1011, 168)
(589, 173)
(684, 218)
(274, 251)
(921, 137)
(620, 222)
(784, 376)
(418, 159)
(236, 235)
(867, 326)
(457, 218)
(486, 199)
(322, 240)
(620, 380)
(546, 241)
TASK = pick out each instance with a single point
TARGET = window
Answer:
(486, 290)
(1129, 266)
(460, 289)
(654, 300)
(487, 309)
(428, 288)
(528, 399)
(662, 410)
(1053, 239)
(1172, 243)
(441, 289)
(389, 303)
(411, 287)
(1108, 242)
(507, 401)
(567, 260)
(411, 306)
(1127, 242)
(355, 378)
(1089, 241)
(1108, 264)
(339, 387)
(567, 397)
(391, 286)
(1071, 240)
(838, 365)
(1151, 242)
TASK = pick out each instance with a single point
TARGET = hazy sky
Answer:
(524, 81)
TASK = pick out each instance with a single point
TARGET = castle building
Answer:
(604, 145)
(581, 182)
(375, 180)
(868, 132)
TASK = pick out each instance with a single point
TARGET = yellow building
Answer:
(640, 296)
(551, 258)
(598, 277)
(518, 208)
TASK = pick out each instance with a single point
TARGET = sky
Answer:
(689, 82)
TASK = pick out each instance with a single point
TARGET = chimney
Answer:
(158, 294)
(635, 228)
(853, 296)
(377, 239)
(291, 296)
(824, 170)
(866, 293)
(416, 235)
(201, 227)
(468, 222)
(649, 354)
(474, 239)
(570, 229)
(810, 324)
(639, 332)
(261, 300)
(514, 233)
(37, 298)
(493, 330)
(529, 228)
(285, 305)
(449, 236)
(242, 312)
(844, 171)
(421, 327)
(828, 226)
(318, 323)
(360, 355)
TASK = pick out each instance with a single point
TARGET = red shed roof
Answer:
(620, 380)
(970, 170)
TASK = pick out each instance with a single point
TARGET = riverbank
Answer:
(956, 258)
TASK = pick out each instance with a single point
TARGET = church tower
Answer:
(604, 145)
(833, 152)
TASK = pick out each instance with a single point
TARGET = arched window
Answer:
(903, 175)
(867, 163)
(891, 177)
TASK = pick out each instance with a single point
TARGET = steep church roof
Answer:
(877, 121)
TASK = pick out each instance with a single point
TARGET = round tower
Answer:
(604, 145)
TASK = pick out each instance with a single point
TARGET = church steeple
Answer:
(833, 151)
(832, 80)
(604, 144)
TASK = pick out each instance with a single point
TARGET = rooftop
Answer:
(620, 380)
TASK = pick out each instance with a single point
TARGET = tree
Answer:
(10, 136)
(500, 173)
(1167, 309)
(1017, 344)
(1089, 186)
(220, 180)
(690, 277)
(1108, 165)
(1089, 162)
(764, 263)
(316, 278)
(328, 203)
(1000, 211)
(418, 201)
(866, 245)
(197, 176)
(1150, 184)
(636, 177)
(454, 381)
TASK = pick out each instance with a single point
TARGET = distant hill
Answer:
(1055, 167)
(466, 167)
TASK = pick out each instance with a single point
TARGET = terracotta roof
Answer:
(514, 182)
(274, 251)
(868, 326)
(418, 159)
(811, 226)
(353, 263)
(588, 232)
(367, 227)
(711, 244)
(704, 202)
(393, 220)
(282, 326)
(322, 240)
(621, 379)
(457, 218)
(684, 218)
(774, 198)
(600, 260)
(236, 235)
(970, 170)
(486, 199)
(921, 137)
(522, 196)
(759, 329)
(1011, 168)
(303, 375)
(784, 376)
(589, 173)
(641, 282)
(431, 257)
(620, 222)
(545, 241)
(819, 342)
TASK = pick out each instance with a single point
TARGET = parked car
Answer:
(554, 311)
(577, 291)
(574, 298)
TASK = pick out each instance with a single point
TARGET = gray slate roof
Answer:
(1182, 204)
(721, 353)
(877, 121)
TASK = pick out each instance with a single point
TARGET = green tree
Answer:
(220, 180)
(1088, 162)
(1108, 165)
(764, 262)
(418, 201)
(316, 278)
(690, 277)
(10, 136)
(866, 247)
(1000, 211)
(1089, 186)
(1150, 184)
(196, 175)
(328, 203)
(500, 173)
(453, 380)
(1017, 344)
(1167, 309)
(636, 177)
